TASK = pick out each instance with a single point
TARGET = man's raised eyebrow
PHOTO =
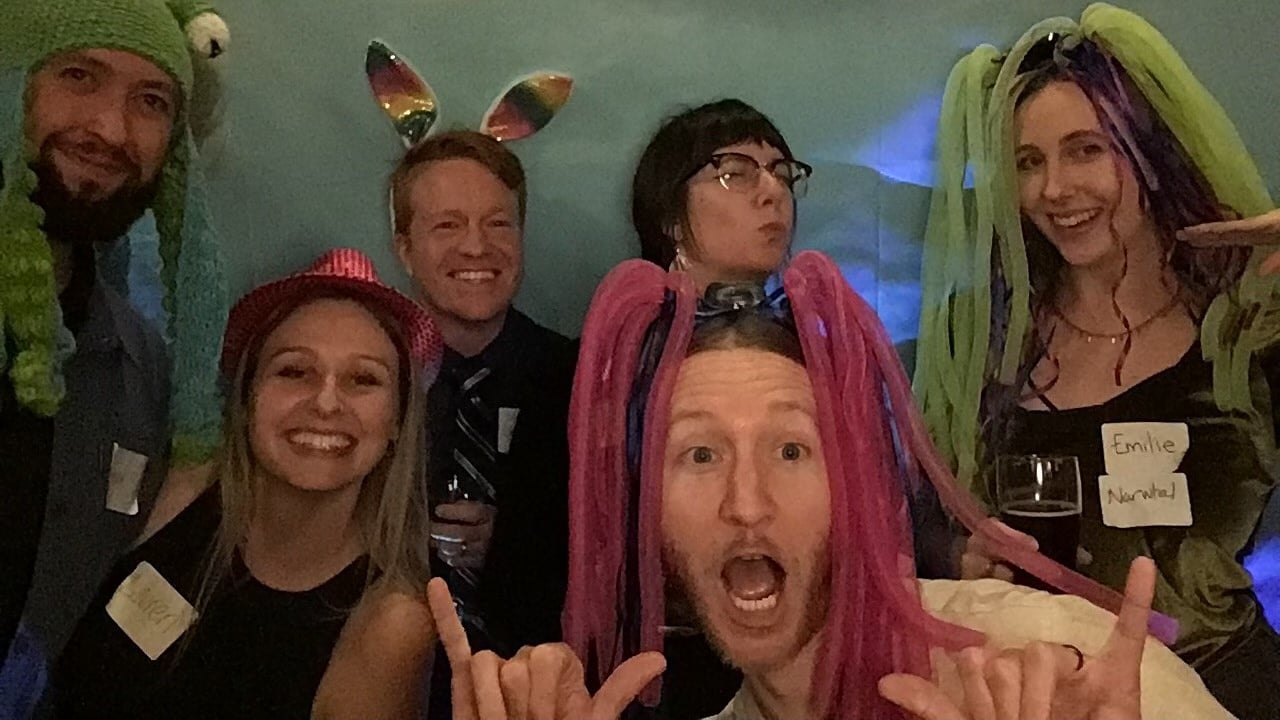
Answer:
(164, 86)
(438, 214)
(683, 415)
(791, 405)
(82, 58)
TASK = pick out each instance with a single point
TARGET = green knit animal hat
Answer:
(31, 33)
(973, 229)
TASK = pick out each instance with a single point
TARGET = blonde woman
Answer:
(314, 512)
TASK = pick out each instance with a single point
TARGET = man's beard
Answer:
(72, 218)
(683, 601)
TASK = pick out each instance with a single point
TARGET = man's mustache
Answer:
(97, 151)
(84, 215)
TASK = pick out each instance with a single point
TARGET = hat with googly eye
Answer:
(173, 35)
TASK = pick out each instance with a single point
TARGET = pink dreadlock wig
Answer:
(877, 453)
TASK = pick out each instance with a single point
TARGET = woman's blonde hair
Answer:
(391, 508)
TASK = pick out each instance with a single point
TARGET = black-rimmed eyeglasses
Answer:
(741, 173)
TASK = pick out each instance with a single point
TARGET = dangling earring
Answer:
(680, 262)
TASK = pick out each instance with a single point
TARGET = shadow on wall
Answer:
(871, 226)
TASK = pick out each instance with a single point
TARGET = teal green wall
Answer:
(300, 162)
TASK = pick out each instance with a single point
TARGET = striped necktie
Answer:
(472, 470)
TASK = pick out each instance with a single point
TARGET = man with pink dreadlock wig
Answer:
(755, 457)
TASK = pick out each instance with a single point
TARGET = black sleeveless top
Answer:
(255, 652)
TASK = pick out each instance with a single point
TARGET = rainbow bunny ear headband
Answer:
(524, 108)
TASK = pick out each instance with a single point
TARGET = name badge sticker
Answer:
(1130, 501)
(506, 427)
(124, 480)
(150, 611)
(1144, 448)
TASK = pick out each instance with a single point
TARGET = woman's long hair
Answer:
(983, 282)
(1172, 192)
(391, 509)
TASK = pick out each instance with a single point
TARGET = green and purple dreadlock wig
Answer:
(987, 274)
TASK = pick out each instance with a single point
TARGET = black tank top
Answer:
(254, 653)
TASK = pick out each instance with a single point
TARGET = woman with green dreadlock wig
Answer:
(1059, 305)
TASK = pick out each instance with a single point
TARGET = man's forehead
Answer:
(741, 379)
(448, 184)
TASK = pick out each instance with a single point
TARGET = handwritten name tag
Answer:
(124, 479)
(1144, 447)
(150, 611)
(1130, 501)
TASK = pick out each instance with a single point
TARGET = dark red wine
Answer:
(1054, 524)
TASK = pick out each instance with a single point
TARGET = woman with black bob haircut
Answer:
(714, 194)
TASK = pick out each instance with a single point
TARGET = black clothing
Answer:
(255, 652)
(522, 586)
(26, 461)
(26, 456)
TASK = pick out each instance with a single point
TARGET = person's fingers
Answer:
(974, 566)
(1000, 571)
(550, 677)
(1039, 680)
(1271, 265)
(1129, 637)
(485, 675)
(1111, 684)
(522, 655)
(980, 559)
(1115, 679)
(1084, 558)
(918, 696)
(1004, 682)
(462, 532)
(971, 663)
(466, 512)
(449, 549)
(626, 682)
(456, 648)
(1204, 235)
(514, 678)
(445, 614)
(446, 532)
(1258, 230)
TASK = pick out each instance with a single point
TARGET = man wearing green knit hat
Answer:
(95, 105)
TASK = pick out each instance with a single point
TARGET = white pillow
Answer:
(1012, 616)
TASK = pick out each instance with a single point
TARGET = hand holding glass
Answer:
(1040, 496)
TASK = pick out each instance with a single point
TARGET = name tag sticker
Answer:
(1144, 448)
(150, 611)
(1146, 500)
(124, 480)
(506, 427)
